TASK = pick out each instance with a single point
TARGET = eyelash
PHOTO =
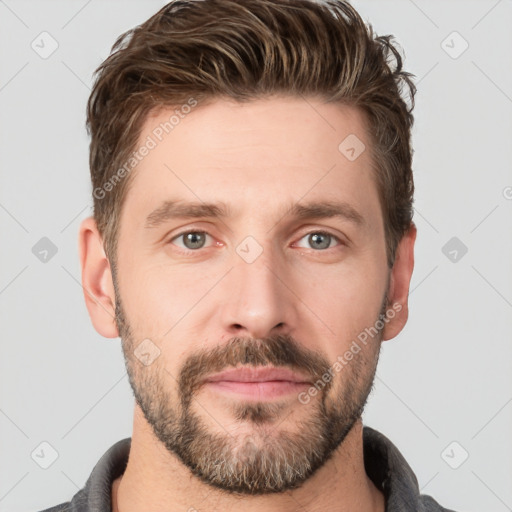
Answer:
(321, 232)
(188, 231)
(314, 231)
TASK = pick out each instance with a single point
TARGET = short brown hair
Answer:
(244, 50)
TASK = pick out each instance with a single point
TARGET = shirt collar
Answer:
(384, 465)
(390, 472)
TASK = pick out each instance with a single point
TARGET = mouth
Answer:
(264, 383)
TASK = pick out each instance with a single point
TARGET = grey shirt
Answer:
(384, 464)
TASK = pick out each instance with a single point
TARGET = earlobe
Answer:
(400, 279)
(97, 281)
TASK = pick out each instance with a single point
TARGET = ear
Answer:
(400, 279)
(97, 280)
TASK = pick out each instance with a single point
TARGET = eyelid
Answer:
(186, 232)
(322, 231)
(339, 239)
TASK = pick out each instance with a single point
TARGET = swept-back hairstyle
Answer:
(245, 50)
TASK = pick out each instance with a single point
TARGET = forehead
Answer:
(274, 150)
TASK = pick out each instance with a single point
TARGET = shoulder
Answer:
(95, 496)
(63, 507)
(79, 503)
(391, 473)
(429, 504)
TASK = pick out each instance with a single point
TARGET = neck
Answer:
(157, 480)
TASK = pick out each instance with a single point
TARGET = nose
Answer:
(258, 301)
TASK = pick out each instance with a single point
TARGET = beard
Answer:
(263, 459)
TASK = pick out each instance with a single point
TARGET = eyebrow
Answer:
(327, 209)
(179, 209)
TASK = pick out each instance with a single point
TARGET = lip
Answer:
(259, 384)
(263, 374)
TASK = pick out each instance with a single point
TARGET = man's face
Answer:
(269, 280)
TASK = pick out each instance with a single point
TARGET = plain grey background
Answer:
(443, 393)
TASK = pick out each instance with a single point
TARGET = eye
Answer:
(191, 240)
(319, 240)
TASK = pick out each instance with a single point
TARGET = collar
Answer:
(384, 465)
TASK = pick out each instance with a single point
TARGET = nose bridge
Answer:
(257, 302)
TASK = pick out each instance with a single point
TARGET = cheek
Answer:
(345, 299)
(349, 303)
(161, 300)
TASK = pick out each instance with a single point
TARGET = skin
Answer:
(259, 158)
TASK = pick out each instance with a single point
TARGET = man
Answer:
(252, 245)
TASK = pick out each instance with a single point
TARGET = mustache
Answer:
(278, 350)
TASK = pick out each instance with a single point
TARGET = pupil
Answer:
(321, 241)
(194, 240)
